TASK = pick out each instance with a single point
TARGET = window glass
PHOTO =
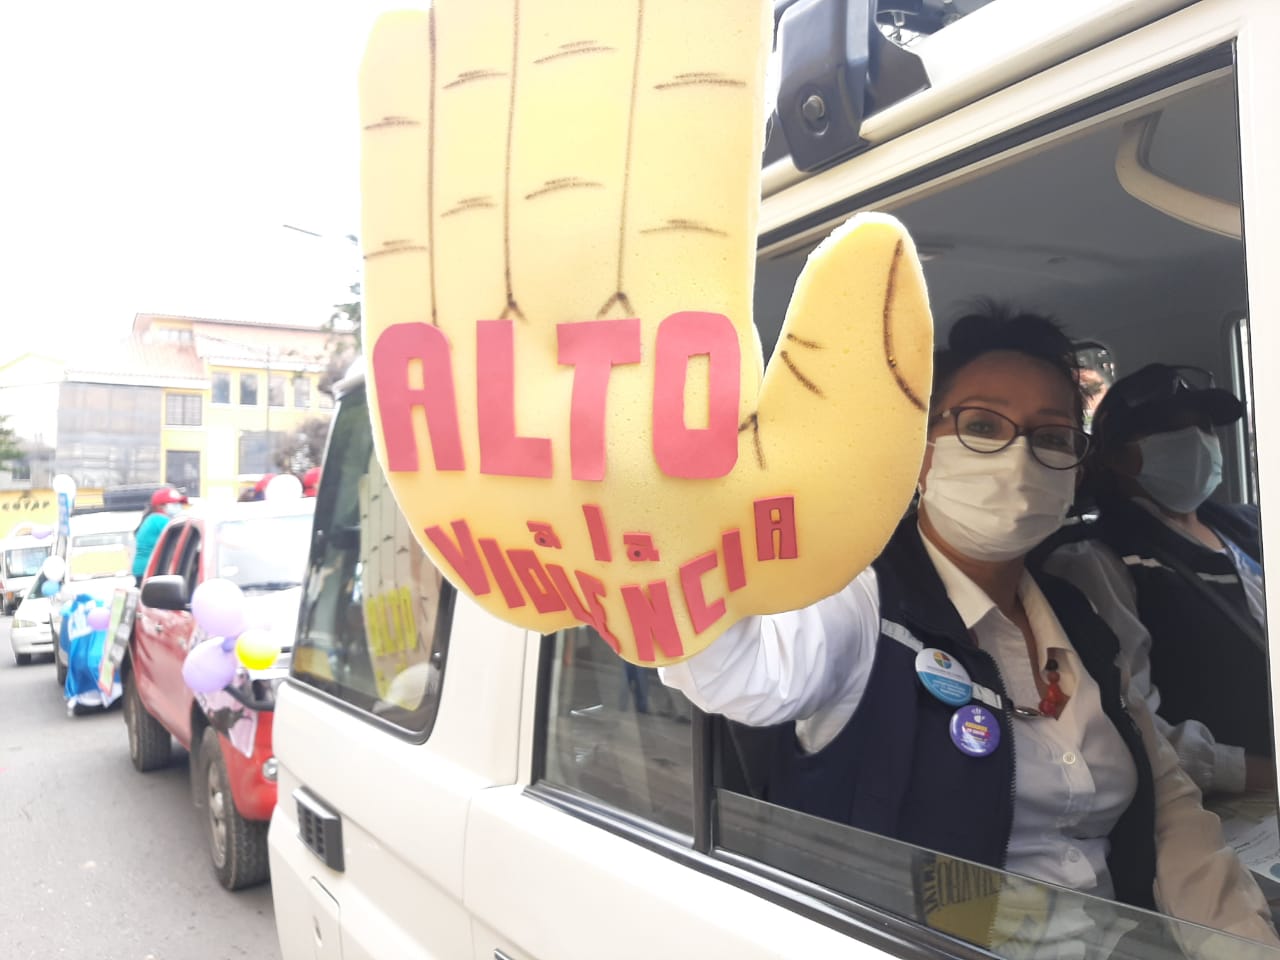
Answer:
(169, 538)
(265, 553)
(616, 734)
(248, 389)
(275, 390)
(325, 401)
(25, 562)
(220, 387)
(301, 392)
(189, 561)
(376, 612)
(100, 555)
(1242, 382)
(182, 409)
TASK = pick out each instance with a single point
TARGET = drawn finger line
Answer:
(687, 226)
(573, 48)
(620, 300)
(393, 122)
(470, 203)
(801, 342)
(700, 79)
(511, 310)
(469, 76)
(397, 246)
(890, 358)
(753, 424)
(804, 381)
(562, 183)
(431, 161)
(619, 297)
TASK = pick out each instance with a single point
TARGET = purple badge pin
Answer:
(975, 730)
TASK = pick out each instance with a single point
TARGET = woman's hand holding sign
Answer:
(560, 202)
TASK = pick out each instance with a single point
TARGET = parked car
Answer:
(261, 547)
(20, 561)
(98, 553)
(29, 631)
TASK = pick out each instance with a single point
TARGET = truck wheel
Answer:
(238, 847)
(149, 743)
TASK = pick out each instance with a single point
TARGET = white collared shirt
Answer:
(812, 666)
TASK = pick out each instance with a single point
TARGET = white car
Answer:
(29, 632)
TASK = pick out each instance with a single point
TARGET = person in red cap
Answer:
(311, 482)
(165, 503)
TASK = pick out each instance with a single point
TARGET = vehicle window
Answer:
(25, 562)
(376, 612)
(188, 566)
(1242, 386)
(1050, 227)
(169, 538)
(616, 734)
(265, 553)
(95, 555)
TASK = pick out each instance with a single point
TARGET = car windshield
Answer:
(25, 562)
(265, 553)
(101, 554)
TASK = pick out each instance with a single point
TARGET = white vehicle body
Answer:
(521, 812)
(29, 630)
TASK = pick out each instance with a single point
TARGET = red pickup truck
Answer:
(262, 547)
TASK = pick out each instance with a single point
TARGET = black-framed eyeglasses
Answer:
(1058, 446)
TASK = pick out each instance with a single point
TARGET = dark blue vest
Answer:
(893, 769)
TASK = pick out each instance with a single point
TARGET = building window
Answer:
(275, 390)
(326, 401)
(182, 409)
(301, 391)
(182, 470)
(248, 389)
(221, 388)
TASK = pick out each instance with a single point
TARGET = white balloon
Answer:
(54, 568)
(283, 487)
(63, 483)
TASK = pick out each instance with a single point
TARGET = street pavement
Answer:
(96, 859)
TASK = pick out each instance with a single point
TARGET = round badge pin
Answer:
(975, 730)
(944, 677)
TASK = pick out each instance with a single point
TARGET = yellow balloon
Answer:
(257, 649)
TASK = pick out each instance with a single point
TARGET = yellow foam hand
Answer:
(560, 202)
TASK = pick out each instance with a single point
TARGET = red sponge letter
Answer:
(593, 348)
(397, 348)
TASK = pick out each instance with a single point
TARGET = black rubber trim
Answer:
(704, 790)
(1216, 58)
(542, 709)
(859, 921)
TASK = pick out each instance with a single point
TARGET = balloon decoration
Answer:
(99, 617)
(218, 606)
(63, 483)
(54, 568)
(41, 532)
(208, 668)
(257, 649)
(48, 588)
(283, 487)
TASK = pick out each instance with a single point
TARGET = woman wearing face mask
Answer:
(947, 668)
(165, 504)
(1188, 567)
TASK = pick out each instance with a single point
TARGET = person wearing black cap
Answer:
(1190, 568)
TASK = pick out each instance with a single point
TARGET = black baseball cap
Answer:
(1143, 402)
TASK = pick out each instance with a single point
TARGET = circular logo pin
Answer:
(975, 730)
(943, 676)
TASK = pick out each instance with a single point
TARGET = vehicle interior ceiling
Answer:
(1053, 230)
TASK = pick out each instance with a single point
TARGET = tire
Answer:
(23, 659)
(149, 742)
(237, 847)
(59, 667)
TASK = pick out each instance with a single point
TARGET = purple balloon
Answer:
(208, 668)
(99, 618)
(218, 606)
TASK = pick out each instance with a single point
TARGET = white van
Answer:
(20, 561)
(453, 786)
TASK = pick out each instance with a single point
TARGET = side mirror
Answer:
(167, 592)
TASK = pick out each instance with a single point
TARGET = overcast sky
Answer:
(153, 150)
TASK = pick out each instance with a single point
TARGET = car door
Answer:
(165, 635)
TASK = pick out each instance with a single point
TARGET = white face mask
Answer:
(172, 509)
(994, 506)
(1180, 468)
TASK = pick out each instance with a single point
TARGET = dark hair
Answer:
(991, 326)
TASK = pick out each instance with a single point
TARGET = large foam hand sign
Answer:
(560, 201)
